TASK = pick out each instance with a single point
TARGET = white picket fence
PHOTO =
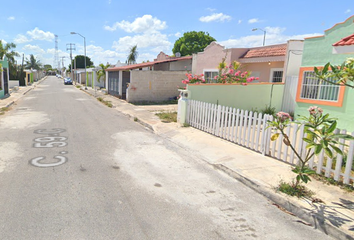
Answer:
(250, 129)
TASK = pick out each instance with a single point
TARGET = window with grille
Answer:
(316, 89)
(209, 76)
(277, 76)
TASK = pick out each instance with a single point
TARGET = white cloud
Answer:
(274, 35)
(239, 21)
(99, 55)
(11, 18)
(34, 49)
(147, 40)
(178, 34)
(21, 39)
(217, 17)
(253, 20)
(146, 23)
(347, 11)
(37, 34)
(211, 9)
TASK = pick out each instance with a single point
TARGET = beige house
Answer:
(150, 81)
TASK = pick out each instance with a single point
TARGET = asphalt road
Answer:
(72, 168)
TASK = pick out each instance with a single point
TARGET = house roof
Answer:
(347, 41)
(268, 51)
(147, 64)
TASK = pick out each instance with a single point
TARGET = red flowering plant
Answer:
(193, 79)
(233, 74)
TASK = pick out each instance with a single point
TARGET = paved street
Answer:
(72, 168)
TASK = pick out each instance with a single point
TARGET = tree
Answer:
(192, 42)
(343, 74)
(33, 63)
(7, 50)
(80, 62)
(102, 72)
(47, 67)
(133, 55)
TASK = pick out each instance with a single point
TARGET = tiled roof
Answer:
(268, 51)
(345, 41)
(147, 64)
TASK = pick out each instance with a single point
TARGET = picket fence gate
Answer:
(250, 129)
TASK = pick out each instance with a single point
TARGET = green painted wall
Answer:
(249, 97)
(2, 94)
(4, 63)
(317, 52)
(31, 77)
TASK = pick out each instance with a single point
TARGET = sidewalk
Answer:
(335, 216)
(18, 93)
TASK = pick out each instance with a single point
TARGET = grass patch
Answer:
(167, 117)
(167, 102)
(3, 110)
(77, 86)
(135, 119)
(186, 125)
(331, 181)
(290, 189)
(107, 103)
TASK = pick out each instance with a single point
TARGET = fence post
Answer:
(182, 107)
(218, 119)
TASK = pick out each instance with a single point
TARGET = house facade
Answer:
(335, 46)
(269, 63)
(4, 77)
(272, 64)
(150, 81)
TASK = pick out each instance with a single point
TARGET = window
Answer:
(314, 91)
(209, 75)
(276, 75)
(314, 88)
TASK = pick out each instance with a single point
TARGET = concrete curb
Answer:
(317, 221)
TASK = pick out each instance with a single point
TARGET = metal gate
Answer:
(6, 82)
(113, 83)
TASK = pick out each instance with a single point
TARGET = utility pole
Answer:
(56, 56)
(71, 47)
(62, 60)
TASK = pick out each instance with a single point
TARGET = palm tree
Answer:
(102, 72)
(6, 50)
(133, 55)
(33, 63)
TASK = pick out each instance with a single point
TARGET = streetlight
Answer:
(85, 54)
(264, 33)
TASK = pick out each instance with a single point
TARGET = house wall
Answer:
(2, 93)
(185, 65)
(262, 70)
(154, 86)
(317, 52)
(250, 97)
(293, 57)
(213, 55)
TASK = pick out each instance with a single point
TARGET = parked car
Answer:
(68, 81)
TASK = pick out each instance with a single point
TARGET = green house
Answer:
(4, 77)
(335, 46)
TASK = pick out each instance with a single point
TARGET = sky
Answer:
(111, 27)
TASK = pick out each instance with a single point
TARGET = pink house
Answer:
(269, 63)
